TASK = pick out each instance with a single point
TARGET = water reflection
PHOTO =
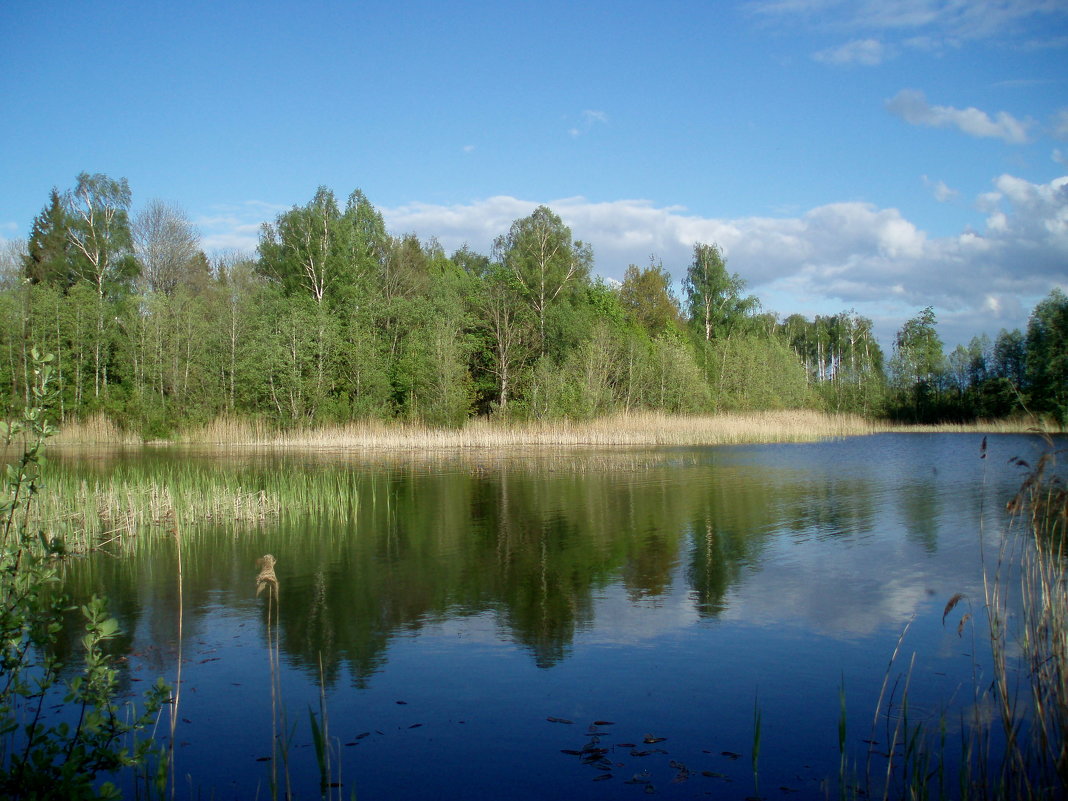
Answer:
(814, 535)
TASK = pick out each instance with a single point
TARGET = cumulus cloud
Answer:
(911, 105)
(826, 259)
(865, 52)
(829, 258)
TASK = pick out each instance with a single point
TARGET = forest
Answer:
(335, 319)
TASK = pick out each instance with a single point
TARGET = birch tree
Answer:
(507, 325)
(714, 296)
(98, 228)
(540, 254)
(301, 250)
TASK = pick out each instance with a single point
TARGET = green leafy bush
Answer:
(72, 755)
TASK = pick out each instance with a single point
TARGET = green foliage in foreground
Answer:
(95, 736)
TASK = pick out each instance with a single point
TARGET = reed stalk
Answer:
(177, 695)
(1021, 752)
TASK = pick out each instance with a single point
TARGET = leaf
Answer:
(960, 626)
(956, 599)
(109, 628)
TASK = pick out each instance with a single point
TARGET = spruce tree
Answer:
(48, 258)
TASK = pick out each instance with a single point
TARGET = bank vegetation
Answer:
(344, 332)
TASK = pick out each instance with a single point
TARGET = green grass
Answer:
(90, 510)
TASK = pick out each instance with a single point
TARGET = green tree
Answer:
(647, 295)
(98, 228)
(507, 329)
(714, 297)
(304, 249)
(365, 242)
(539, 252)
(1010, 357)
(918, 363)
(1047, 355)
(48, 258)
(755, 371)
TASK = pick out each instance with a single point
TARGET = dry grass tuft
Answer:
(94, 430)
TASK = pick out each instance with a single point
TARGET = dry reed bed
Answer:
(648, 429)
(623, 430)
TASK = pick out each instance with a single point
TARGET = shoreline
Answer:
(617, 431)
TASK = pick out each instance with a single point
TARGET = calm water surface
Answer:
(465, 607)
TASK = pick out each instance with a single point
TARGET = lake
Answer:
(575, 625)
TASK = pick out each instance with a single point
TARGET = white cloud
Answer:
(827, 259)
(235, 227)
(911, 105)
(823, 260)
(476, 224)
(1060, 124)
(866, 52)
(973, 19)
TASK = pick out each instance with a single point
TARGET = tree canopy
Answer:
(336, 319)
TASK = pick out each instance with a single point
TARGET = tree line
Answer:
(335, 319)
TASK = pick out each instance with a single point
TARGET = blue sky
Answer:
(880, 155)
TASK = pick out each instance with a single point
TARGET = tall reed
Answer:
(635, 428)
(122, 504)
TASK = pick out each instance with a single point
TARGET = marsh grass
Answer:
(116, 507)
